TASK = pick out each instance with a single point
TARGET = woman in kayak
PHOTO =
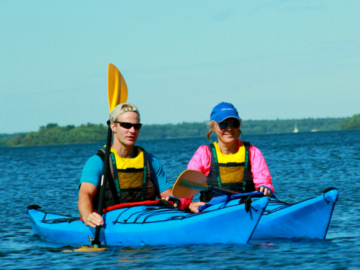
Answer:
(135, 174)
(229, 163)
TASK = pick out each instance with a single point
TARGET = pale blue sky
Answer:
(271, 59)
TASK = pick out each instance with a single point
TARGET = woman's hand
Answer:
(194, 206)
(265, 190)
(93, 220)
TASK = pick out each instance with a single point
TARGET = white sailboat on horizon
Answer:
(295, 129)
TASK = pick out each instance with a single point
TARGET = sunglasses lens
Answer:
(223, 125)
(235, 123)
(137, 126)
(126, 125)
(130, 125)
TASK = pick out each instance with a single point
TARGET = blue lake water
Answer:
(302, 166)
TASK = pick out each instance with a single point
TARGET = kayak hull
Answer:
(306, 219)
(149, 225)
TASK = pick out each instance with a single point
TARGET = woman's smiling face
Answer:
(230, 133)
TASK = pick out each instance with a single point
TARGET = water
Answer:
(302, 166)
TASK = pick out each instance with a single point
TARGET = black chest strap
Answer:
(216, 163)
(143, 186)
(246, 166)
(113, 175)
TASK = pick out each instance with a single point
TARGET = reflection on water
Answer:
(302, 166)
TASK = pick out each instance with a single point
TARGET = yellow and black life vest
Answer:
(129, 179)
(229, 171)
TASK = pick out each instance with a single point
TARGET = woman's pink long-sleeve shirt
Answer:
(201, 162)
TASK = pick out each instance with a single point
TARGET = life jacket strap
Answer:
(217, 171)
(113, 175)
(143, 187)
(246, 166)
(117, 190)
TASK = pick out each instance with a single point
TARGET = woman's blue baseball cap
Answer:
(223, 111)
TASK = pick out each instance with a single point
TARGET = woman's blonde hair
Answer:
(212, 124)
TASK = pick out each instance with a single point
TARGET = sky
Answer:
(272, 59)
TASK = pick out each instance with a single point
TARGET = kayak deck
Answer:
(149, 225)
(306, 219)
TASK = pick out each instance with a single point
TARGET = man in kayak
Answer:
(229, 163)
(135, 174)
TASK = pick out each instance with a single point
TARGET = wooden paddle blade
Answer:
(117, 88)
(189, 183)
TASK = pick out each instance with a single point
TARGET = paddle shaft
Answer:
(104, 180)
(191, 182)
(221, 191)
(205, 187)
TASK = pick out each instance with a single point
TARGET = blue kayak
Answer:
(155, 225)
(306, 219)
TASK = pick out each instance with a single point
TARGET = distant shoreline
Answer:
(53, 134)
(204, 137)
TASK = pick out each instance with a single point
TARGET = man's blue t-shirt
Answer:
(94, 167)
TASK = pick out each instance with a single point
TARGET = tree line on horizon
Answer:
(52, 133)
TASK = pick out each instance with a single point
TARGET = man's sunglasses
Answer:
(234, 123)
(127, 125)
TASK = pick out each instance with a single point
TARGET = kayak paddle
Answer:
(117, 93)
(117, 88)
(191, 182)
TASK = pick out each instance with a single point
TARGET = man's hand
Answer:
(194, 206)
(86, 194)
(93, 220)
(165, 195)
(174, 200)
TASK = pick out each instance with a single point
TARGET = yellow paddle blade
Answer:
(117, 88)
(189, 183)
(85, 249)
